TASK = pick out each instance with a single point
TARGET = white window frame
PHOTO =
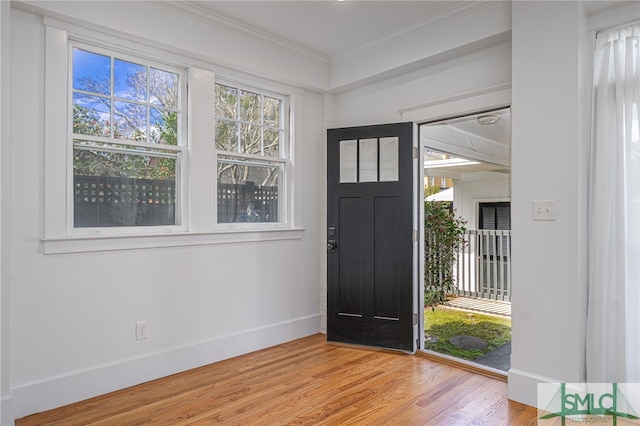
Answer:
(180, 150)
(198, 184)
(284, 192)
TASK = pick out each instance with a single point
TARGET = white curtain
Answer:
(613, 313)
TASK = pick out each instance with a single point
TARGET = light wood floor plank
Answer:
(305, 382)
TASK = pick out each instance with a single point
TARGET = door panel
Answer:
(370, 198)
(386, 263)
(350, 253)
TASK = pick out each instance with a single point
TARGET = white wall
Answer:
(6, 403)
(384, 102)
(468, 192)
(72, 315)
(476, 25)
(549, 150)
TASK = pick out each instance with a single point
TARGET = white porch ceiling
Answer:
(486, 146)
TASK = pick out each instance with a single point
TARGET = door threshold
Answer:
(367, 347)
(463, 364)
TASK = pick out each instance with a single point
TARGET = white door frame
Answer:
(459, 105)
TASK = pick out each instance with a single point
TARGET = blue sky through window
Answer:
(87, 65)
(123, 71)
(121, 98)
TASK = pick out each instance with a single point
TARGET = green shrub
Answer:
(444, 235)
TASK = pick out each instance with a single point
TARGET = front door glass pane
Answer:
(388, 159)
(368, 160)
(348, 161)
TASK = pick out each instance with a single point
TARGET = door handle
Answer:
(331, 246)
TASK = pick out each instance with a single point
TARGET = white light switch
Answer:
(544, 210)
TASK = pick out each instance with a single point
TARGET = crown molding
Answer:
(200, 13)
(195, 11)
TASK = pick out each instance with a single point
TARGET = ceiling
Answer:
(329, 28)
(333, 28)
(473, 147)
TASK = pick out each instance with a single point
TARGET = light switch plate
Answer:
(544, 210)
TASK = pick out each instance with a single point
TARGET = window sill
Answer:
(182, 239)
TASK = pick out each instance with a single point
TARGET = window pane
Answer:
(348, 161)
(251, 138)
(258, 121)
(503, 217)
(388, 159)
(117, 184)
(272, 142)
(227, 135)
(129, 80)
(91, 115)
(123, 189)
(488, 217)
(91, 72)
(163, 126)
(368, 160)
(163, 88)
(272, 111)
(226, 101)
(248, 191)
(130, 121)
(250, 107)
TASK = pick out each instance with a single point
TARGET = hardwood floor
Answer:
(305, 382)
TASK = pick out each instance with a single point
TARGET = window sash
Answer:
(261, 159)
(123, 146)
(254, 197)
(282, 128)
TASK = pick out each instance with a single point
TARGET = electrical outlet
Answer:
(142, 330)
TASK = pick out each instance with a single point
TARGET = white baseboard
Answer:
(6, 411)
(55, 392)
(523, 386)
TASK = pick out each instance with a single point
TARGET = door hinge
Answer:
(415, 235)
(415, 319)
(416, 152)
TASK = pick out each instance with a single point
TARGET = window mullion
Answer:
(262, 124)
(252, 156)
(239, 121)
(124, 150)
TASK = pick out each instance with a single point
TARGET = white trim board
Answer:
(521, 383)
(459, 105)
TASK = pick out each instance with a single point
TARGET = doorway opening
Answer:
(467, 176)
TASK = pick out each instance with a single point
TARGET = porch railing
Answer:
(483, 266)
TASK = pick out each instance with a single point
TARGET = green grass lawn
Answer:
(445, 323)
